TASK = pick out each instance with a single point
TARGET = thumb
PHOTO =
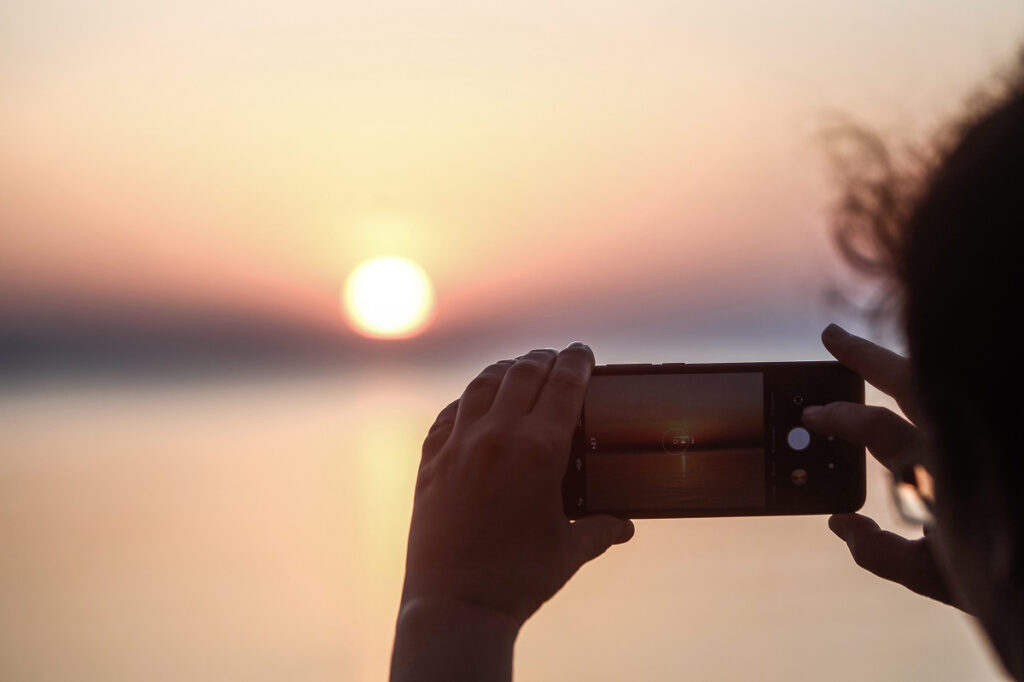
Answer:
(592, 535)
(852, 527)
(888, 555)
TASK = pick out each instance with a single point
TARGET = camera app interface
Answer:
(675, 441)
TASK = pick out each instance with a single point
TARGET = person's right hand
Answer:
(890, 438)
(489, 541)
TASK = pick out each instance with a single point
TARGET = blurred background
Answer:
(208, 436)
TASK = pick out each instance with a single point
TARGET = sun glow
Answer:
(388, 297)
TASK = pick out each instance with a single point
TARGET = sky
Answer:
(544, 163)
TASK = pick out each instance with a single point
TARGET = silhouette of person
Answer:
(489, 542)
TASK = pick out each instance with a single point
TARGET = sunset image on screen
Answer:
(631, 465)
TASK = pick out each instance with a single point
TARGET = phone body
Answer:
(679, 440)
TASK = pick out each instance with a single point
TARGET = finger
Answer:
(523, 381)
(885, 434)
(593, 535)
(439, 431)
(892, 557)
(480, 392)
(561, 397)
(887, 371)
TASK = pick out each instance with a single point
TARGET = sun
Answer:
(388, 297)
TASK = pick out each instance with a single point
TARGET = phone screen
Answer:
(675, 441)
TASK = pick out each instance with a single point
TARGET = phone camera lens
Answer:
(798, 400)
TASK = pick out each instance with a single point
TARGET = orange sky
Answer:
(254, 153)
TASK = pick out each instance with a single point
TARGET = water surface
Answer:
(255, 531)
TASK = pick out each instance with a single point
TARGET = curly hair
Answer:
(941, 230)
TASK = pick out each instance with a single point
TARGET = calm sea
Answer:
(255, 530)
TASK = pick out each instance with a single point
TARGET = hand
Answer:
(489, 541)
(889, 438)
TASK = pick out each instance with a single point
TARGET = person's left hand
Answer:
(890, 438)
(488, 528)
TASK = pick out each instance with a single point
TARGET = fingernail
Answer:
(834, 332)
(579, 344)
(811, 410)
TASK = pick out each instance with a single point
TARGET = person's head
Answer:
(951, 240)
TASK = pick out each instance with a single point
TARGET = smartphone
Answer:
(678, 440)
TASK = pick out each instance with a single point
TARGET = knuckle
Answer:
(427, 448)
(486, 379)
(858, 342)
(859, 347)
(532, 441)
(599, 542)
(859, 556)
(877, 418)
(857, 551)
(436, 437)
(489, 438)
(527, 370)
(866, 555)
(839, 408)
(567, 379)
(550, 451)
(495, 369)
(443, 420)
(832, 415)
(830, 411)
(523, 442)
(426, 476)
(536, 441)
(534, 358)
